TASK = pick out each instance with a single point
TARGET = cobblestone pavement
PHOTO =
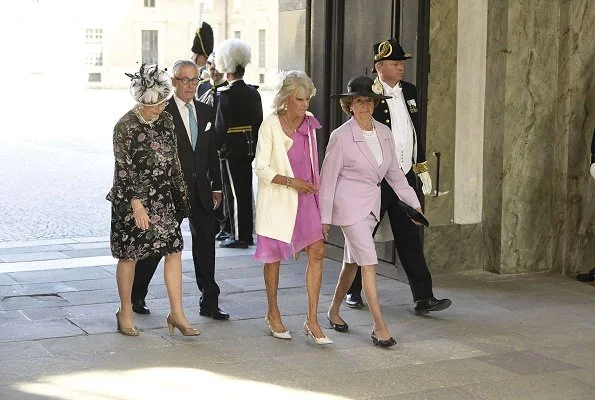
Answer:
(57, 166)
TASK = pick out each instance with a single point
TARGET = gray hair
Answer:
(178, 65)
(290, 82)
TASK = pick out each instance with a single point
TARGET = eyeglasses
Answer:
(186, 81)
(162, 105)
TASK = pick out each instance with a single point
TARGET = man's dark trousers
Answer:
(203, 255)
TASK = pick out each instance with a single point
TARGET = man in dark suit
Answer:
(239, 115)
(207, 93)
(197, 151)
(400, 113)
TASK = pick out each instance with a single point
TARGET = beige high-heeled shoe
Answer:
(125, 331)
(308, 332)
(184, 330)
(278, 335)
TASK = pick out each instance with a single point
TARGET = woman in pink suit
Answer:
(287, 212)
(359, 155)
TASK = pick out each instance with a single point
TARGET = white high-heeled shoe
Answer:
(308, 332)
(278, 335)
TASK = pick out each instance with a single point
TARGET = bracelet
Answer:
(421, 167)
(287, 182)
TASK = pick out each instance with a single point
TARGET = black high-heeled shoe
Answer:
(338, 327)
(382, 343)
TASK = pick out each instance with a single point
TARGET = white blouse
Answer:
(374, 145)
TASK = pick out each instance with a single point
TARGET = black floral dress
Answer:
(146, 168)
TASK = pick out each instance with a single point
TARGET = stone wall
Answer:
(516, 156)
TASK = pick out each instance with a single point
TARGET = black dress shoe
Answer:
(139, 307)
(338, 327)
(222, 235)
(233, 244)
(250, 242)
(354, 300)
(586, 277)
(382, 343)
(217, 314)
(424, 306)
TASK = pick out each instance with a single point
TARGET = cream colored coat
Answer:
(276, 205)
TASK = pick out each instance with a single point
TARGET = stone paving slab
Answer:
(538, 387)
(6, 279)
(39, 256)
(448, 393)
(60, 275)
(526, 362)
(38, 249)
(32, 243)
(35, 330)
(96, 252)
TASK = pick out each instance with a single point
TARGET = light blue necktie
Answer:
(193, 125)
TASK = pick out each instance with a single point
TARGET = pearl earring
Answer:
(285, 106)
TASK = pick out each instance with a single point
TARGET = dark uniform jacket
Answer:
(382, 114)
(200, 166)
(239, 116)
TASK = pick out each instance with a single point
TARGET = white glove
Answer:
(426, 182)
(593, 170)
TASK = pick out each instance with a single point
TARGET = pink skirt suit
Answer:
(299, 160)
(350, 187)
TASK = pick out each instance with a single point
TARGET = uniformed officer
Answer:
(400, 113)
(202, 46)
(206, 92)
(239, 115)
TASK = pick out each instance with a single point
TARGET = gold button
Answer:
(382, 101)
(388, 121)
(385, 110)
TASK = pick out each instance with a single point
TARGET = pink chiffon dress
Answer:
(308, 225)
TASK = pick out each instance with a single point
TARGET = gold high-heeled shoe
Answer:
(308, 332)
(278, 335)
(125, 331)
(184, 330)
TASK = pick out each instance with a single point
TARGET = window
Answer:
(262, 48)
(261, 78)
(237, 34)
(149, 3)
(94, 47)
(94, 77)
(149, 47)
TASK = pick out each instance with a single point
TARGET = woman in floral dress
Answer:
(148, 196)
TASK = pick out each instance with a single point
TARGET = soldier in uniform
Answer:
(206, 92)
(400, 113)
(202, 46)
(239, 115)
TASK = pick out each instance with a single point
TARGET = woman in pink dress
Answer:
(287, 213)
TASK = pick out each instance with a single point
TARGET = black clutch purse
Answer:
(413, 213)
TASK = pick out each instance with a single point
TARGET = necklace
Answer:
(371, 130)
(141, 119)
(289, 125)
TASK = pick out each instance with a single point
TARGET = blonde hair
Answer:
(289, 82)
